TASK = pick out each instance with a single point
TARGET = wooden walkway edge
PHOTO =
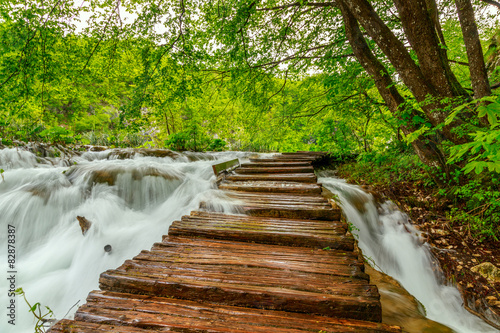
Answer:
(288, 264)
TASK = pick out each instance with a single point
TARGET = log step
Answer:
(273, 187)
(283, 159)
(321, 282)
(281, 164)
(297, 177)
(286, 210)
(283, 197)
(264, 170)
(167, 314)
(285, 232)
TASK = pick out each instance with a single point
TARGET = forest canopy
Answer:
(340, 76)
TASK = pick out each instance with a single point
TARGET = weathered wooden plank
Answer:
(298, 177)
(279, 196)
(207, 271)
(282, 160)
(73, 326)
(218, 168)
(290, 170)
(264, 237)
(287, 222)
(257, 223)
(280, 164)
(281, 252)
(317, 153)
(272, 187)
(189, 316)
(310, 212)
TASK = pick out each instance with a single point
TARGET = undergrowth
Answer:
(471, 200)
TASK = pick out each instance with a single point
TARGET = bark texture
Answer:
(421, 31)
(428, 152)
(477, 67)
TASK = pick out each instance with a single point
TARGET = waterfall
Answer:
(387, 238)
(130, 202)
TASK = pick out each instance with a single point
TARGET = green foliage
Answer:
(477, 207)
(389, 167)
(217, 145)
(483, 151)
(42, 316)
(57, 135)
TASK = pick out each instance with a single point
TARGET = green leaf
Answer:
(482, 111)
(33, 308)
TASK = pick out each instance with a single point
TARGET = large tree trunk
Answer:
(421, 32)
(478, 74)
(408, 70)
(428, 152)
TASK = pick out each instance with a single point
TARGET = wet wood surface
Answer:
(286, 264)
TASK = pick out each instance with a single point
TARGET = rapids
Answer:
(392, 244)
(131, 201)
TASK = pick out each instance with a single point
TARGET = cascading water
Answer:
(386, 237)
(130, 202)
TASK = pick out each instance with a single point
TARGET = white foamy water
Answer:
(130, 202)
(386, 237)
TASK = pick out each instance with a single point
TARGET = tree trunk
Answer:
(428, 152)
(421, 31)
(410, 73)
(477, 68)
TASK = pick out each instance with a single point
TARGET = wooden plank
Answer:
(218, 168)
(292, 211)
(72, 326)
(298, 177)
(189, 316)
(273, 231)
(279, 164)
(273, 187)
(277, 196)
(282, 159)
(285, 223)
(292, 170)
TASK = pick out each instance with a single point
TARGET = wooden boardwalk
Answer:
(287, 265)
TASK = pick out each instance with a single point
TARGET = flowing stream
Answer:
(131, 202)
(388, 239)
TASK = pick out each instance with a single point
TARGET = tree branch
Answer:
(298, 4)
(493, 3)
(459, 62)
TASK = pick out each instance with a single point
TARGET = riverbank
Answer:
(462, 253)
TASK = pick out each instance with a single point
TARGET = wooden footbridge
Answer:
(287, 265)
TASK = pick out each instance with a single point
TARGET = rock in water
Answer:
(84, 224)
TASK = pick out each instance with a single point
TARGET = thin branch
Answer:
(248, 17)
(493, 3)
(280, 90)
(100, 39)
(296, 56)
(23, 51)
(298, 4)
(459, 62)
